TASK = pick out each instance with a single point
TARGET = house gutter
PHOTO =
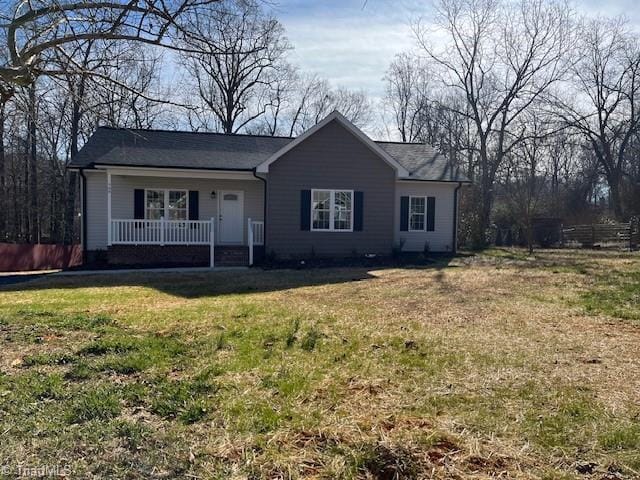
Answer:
(264, 207)
(455, 217)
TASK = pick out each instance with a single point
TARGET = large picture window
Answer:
(332, 210)
(170, 204)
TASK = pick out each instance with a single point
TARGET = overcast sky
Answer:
(352, 42)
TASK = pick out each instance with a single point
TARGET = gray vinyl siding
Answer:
(441, 239)
(122, 192)
(332, 158)
(96, 210)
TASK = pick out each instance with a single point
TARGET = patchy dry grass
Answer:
(496, 365)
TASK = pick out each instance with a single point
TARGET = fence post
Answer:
(593, 235)
(212, 254)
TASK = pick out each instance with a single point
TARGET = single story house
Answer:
(169, 197)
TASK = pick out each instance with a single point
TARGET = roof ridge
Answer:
(166, 130)
(401, 143)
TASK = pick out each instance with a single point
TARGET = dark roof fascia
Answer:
(94, 166)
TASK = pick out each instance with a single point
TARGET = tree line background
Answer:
(535, 104)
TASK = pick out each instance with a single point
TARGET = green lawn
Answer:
(491, 365)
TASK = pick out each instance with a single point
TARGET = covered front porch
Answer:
(187, 233)
(170, 216)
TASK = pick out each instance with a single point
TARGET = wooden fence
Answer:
(625, 235)
(20, 257)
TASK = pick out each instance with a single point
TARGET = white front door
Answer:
(231, 218)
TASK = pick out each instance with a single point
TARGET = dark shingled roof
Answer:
(423, 162)
(218, 151)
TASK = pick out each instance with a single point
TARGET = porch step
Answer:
(231, 256)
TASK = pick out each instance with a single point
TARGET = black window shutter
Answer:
(305, 209)
(138, 204)
(194, 206)
(404, 214)
(431, 213)
(358, 198)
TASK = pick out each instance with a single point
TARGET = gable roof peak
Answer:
(359, 134)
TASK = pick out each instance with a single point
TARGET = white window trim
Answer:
(166, 201)
(332, 197)
(424, 215)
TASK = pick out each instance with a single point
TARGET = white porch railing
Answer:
(160, 232)
(258, 232)
(255, 236)
(163, 232)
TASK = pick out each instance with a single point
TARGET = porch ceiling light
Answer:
(213, 194)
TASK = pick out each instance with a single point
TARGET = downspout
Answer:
(455, 218)
(264, 208)
(83, 215)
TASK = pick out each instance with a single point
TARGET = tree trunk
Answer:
(72, 180)
(34, 214)
(3, 195)
(25, 220)
(613, 179)
(70, 211)
(486, 202)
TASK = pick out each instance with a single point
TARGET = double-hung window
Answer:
(417, 213)
(332, 210)
(170, 204)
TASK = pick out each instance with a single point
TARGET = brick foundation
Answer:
(173, 256)
(161, 256)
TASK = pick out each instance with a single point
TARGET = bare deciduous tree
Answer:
(527, 169)
(236, 87)
(407, 95)
(305, 100)
(34, 32)
(502, 57)
(601, 104)
(315, 98)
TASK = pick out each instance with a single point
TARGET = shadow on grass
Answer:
(208, 284)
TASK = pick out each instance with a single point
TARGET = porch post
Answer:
(250, 240)
(212, 262)
(162, 227)
(109, 232)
